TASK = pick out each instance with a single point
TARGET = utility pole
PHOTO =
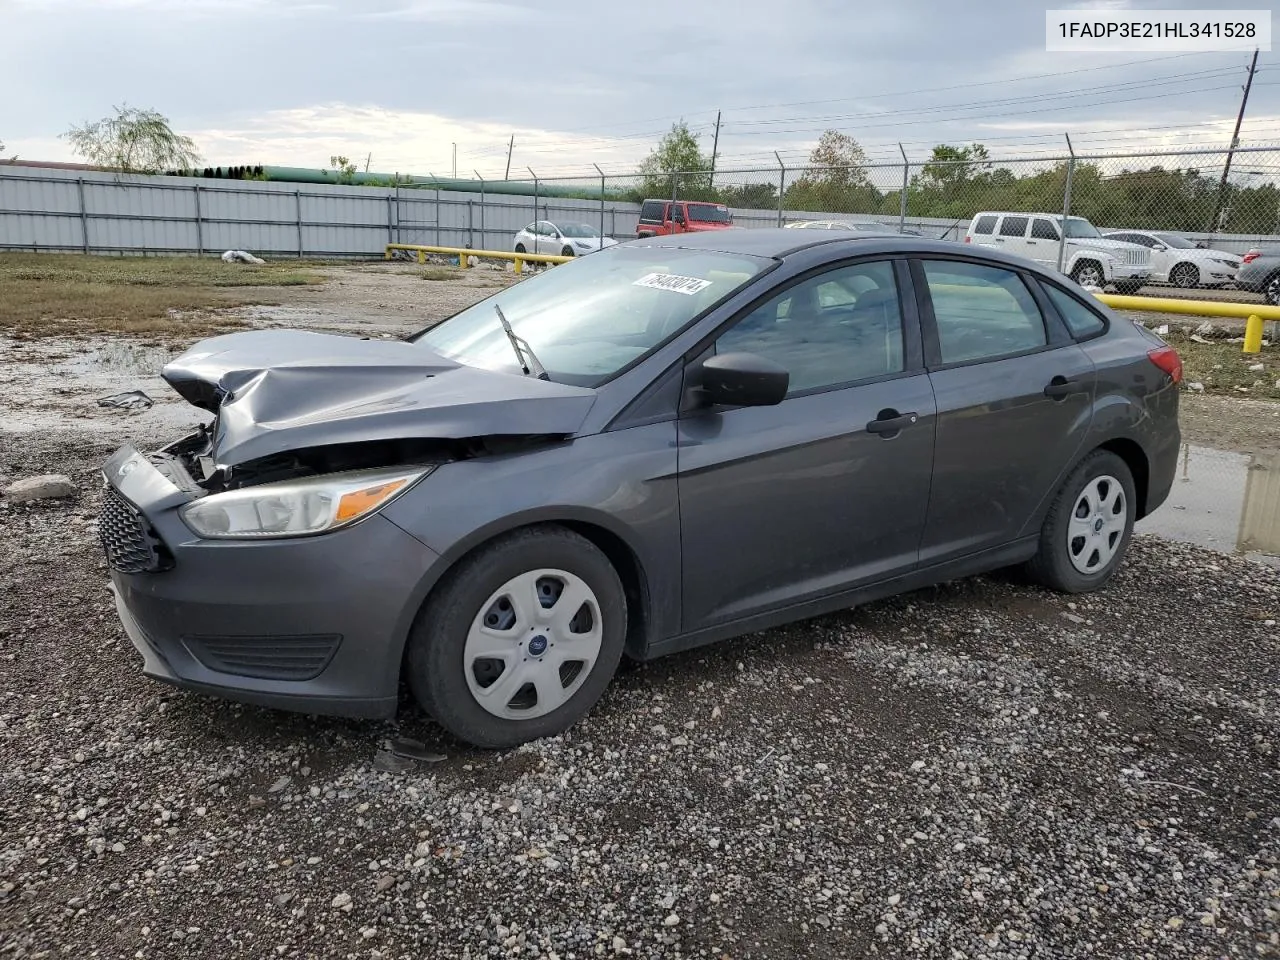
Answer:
(715, 146)
(1235, 142)
(510, 146)
(455, 161)
(368, 160)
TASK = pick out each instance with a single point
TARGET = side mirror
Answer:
(743, 380)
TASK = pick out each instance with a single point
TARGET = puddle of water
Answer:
(1225, 501)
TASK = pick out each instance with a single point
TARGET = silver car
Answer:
(560, 238)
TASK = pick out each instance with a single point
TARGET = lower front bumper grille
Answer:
(126, 536)
(266, 658)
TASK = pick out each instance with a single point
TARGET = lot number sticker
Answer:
(670, 281)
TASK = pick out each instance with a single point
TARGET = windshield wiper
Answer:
(531, 366)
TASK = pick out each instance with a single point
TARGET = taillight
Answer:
(1167, 359)
(1251, 256)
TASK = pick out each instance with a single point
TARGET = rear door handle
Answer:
(1060, 387)
(889, 422)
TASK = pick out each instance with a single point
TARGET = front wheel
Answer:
(1271, 292)
(1088, 273)
(1185, 275)
(1087, 530)
(567, 252)
(519, 640)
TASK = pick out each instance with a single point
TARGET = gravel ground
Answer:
(976, 770)
(981, 769)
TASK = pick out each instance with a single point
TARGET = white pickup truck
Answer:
(1089, 258)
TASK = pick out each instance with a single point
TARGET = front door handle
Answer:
(889, 423)
(1061, 386)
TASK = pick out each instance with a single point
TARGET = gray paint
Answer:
(738, 519)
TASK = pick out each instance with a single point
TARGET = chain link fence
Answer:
(1228, 201)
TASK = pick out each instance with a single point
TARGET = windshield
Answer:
(1172, 240)
(588, 319)
(577, 230)
(709, 213)
(1081, 228)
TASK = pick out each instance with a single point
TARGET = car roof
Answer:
(779, 242)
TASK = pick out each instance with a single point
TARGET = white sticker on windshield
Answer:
(672, 282)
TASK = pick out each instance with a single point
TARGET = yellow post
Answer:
(462, 261)
(422, 256)
(1253, 334)
(519, 264)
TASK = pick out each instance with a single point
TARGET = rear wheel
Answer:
(520, 640)
(1088, 273)
(1185, 275)
(520, 248)
(1087, 530)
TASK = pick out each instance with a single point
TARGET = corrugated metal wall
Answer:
(51, 209)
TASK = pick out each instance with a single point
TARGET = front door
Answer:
(1044, 242)
(1011, 235)
(1014, 398)
(828, 489)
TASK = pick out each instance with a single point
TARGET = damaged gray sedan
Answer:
(671, 442)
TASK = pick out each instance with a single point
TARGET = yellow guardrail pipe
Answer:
(1252, 313)
(520, 259)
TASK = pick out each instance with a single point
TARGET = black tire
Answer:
(438, 638)
(1271, 290)
(1128, 287)
(520, 248)
(1085, 265)
(1052, 566)
(567, 252)
(1185, 275)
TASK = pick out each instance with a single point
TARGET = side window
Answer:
(1043, 230)
(651, 210)
(985, 225)
(531, 228)
(1142, 240)
(982, 312)
(834, 328)
(1080, 320)
(1013, 227)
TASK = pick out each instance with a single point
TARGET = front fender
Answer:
(1104, 260)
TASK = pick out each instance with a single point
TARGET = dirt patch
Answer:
(56, 295)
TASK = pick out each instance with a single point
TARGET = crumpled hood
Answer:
(280, 390)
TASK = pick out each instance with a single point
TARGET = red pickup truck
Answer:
(661, 217)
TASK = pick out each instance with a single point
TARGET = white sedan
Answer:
(564, 239)
(1178, 261)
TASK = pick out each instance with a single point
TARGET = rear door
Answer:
(829, 488)
(1014, 396)
(1011, 234)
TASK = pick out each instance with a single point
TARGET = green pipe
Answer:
(511, 187)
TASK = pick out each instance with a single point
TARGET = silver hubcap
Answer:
(1273, 291)
(1089, 277)
(1185, 276)
(533, 644)
(1097, 525)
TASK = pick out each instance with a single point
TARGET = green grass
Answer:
(1224, 369)
(441, 273)
(72, 294)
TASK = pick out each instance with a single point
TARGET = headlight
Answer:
(296, 508)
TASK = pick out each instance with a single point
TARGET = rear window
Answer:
(1080, 320)
(652, 210)
(985, 225)
(1013, 227)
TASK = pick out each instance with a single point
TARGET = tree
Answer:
(836, 180)
(677, 153)
(950, 166)
(133, 141)
(346, 169)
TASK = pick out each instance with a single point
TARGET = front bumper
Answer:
(1125, 271)
(313, 624)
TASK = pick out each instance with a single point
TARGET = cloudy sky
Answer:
(292, 82)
